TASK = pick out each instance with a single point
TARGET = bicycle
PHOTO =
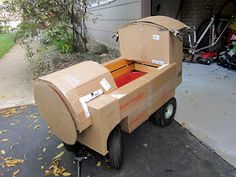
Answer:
(210, 33)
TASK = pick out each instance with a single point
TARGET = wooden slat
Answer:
(117, 64)
(123, 71)
(149, 64)
(143, 68)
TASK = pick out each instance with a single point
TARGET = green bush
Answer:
(26, 30)
(59, 37)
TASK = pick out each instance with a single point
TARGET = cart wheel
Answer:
(115, 148)
(165, 115)
(73, 148)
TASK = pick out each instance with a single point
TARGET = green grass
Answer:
(6, 43)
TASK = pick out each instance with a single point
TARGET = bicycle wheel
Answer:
(226, 11)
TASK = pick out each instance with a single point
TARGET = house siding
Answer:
(109, 17)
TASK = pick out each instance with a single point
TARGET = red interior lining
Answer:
(126, 78)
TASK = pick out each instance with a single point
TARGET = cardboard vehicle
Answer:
(91, 103)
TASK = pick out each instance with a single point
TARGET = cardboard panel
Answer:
(151, 40)
(55, 112)
(130, 41)
(143, 68)
(151, 91)
(105, 114)
(161, 86)
(74, 83)
(170, 23)
(131, 96)
(155, 44)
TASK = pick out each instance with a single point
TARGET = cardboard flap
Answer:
(169, 23)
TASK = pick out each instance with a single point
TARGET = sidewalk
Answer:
(15, 79)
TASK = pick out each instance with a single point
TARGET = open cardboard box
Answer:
(87, 101)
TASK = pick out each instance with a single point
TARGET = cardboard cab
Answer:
(90, 103)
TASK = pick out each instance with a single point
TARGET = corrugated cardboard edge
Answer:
(169, 23)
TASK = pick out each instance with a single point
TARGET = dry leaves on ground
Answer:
(36, 126)
(59, 155)
(34, 116)
(10, 162)
(16, 173)
(2, 131)
(10, 112)
(57, 170)
(98, 164)
(4, 140)
(60, 146)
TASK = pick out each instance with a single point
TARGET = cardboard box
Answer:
(152, 40)
(83, 103)
(76, 86)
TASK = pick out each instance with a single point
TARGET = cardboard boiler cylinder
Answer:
(83, 103)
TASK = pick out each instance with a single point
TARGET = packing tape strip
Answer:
(85, 99)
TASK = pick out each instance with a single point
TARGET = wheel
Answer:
(165, 115)
(198, 59)
(208, 61)
(73, 148)
(115, 148)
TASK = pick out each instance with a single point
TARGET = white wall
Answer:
(110, 17)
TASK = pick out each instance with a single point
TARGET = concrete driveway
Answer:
(207, 106)
(150, 151)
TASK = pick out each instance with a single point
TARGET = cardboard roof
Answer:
(167, 22)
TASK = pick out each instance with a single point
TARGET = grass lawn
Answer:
(6, 43)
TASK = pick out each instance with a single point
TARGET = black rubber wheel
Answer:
(73, 148)
(115, 148)
(165, 115)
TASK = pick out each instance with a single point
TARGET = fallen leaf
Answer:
(42, 167)
(13, 145)
(34, 116)
(16, 173)
(183, 125)
(44, 149)
(10, 112)
(40, 158)
(47, 138)
(59, 155)
(36, 126)
(98, 164)
(3, 152)
(10, 162)
(4, 140)
(57, 170)
(60, 146)
(66, 174)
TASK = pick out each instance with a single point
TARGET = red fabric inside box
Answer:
(126, 78)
